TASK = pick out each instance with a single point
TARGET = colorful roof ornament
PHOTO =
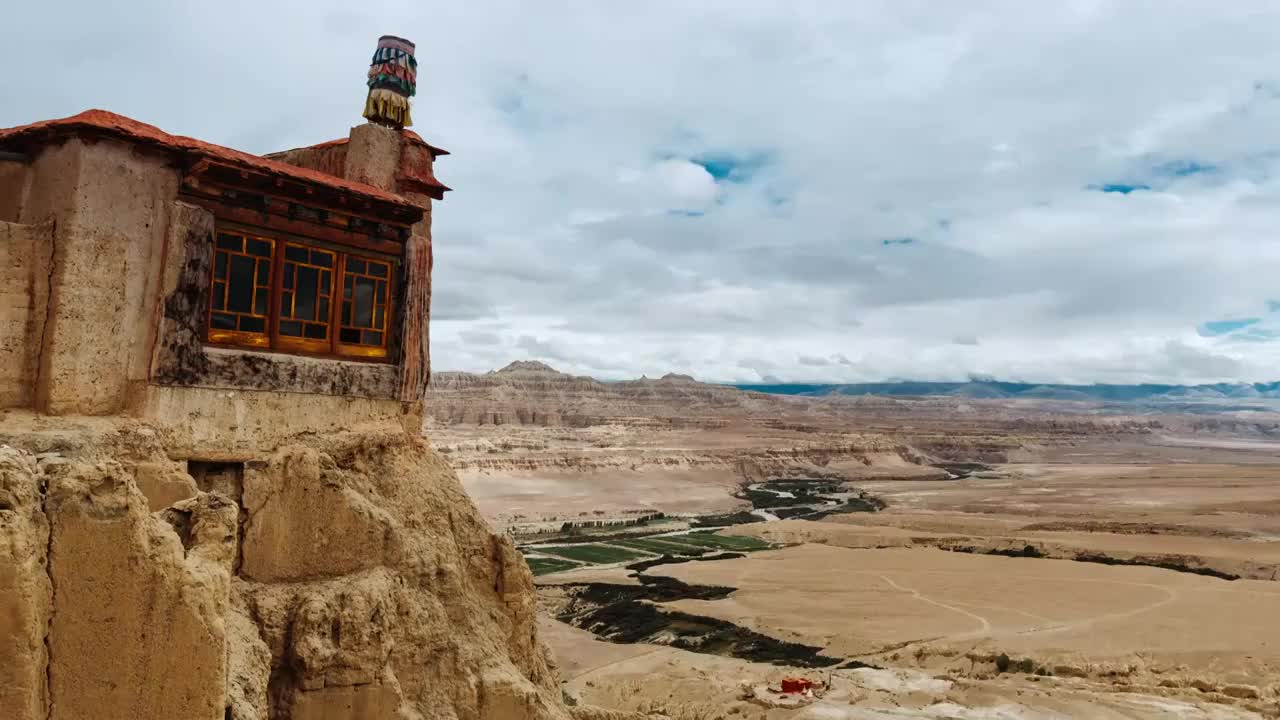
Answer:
(393, 79)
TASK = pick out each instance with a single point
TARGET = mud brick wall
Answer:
(24, 263)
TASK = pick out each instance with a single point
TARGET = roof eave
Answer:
(188, 149)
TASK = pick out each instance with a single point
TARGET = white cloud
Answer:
(973, 129)
(689, 183)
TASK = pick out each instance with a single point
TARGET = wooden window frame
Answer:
(364, 349)
(291, 343)
(271, 340)
(241, 337)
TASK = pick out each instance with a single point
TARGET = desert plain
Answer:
(925, 557)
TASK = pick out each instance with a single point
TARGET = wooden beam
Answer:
(377, 210)
(198, 168)
(302, 228)
(415, 341)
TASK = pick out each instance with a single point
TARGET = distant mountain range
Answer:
(996, 390)
(530, 392)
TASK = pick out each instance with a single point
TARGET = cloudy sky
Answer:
(1076, 190)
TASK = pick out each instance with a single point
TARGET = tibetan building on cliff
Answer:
(237, 297)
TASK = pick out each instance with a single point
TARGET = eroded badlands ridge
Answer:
(528, 392)
(1103, 561)
(343, 577)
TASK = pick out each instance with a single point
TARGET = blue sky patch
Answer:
(1217, 328)
(1256, 335)
(1122, 188)
(731, 167)
(1160, 174)
(1185, 168)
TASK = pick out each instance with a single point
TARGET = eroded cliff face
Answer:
(532, 393)
(342, 577)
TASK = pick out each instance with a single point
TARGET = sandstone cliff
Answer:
(532, 393)
(341, 577)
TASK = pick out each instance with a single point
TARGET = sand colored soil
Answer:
(692, 686)
(960, 633)
(515, 495)
(1080, 618)
(1227, 498)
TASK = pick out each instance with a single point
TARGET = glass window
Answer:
(239, 291)
(366, 297)
(305, 292)
(292, 296)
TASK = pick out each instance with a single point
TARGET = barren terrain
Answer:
(922, 558)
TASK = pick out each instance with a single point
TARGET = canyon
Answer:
(930, 556)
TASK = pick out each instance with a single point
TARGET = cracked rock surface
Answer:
(352, 578)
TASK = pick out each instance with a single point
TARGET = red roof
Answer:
(109, 123)
(435, 151)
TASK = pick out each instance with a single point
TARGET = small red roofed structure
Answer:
(796, 685)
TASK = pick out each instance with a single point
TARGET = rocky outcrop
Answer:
(351, 579)
(532, 393)
(26, 596)
(421, 606)
(529, 393)
(136, 604)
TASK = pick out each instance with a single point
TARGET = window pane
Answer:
(364, 303)
(304, 297)
(240, 291)
(260, 248)
(365, 315)
(304, 300)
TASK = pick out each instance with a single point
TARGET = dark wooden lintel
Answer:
(289, 189)
(273, 215)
